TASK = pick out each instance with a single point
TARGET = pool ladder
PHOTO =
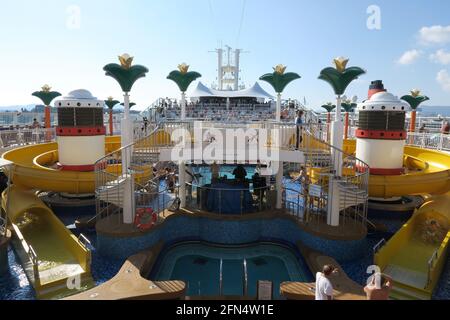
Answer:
(245, 278)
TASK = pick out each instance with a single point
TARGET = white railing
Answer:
(23, 137)
(110, 177)
(438, 141)
(322, 158)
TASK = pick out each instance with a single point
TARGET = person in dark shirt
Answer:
(298, 124)
(240, 173)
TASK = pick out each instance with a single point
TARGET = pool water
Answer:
(198, 265)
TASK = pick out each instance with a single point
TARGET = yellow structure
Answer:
(55, 261)
(415, 256)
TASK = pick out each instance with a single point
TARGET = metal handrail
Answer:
(430, 266)
(84, 241)
(33, 256)
(378, 246)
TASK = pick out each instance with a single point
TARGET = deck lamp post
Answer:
(47, 96)
(183, 78)
(279, 80)
(415, 99)
(126, 75)
(348, 106)
(329, 107)
(339, 78)
(111, 103)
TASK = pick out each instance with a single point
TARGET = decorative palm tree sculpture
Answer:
(279, 80)
(111, 103)
(339, 78)
(132, 104)
(126, 75)
(183, 78)
(329, 107)
(348, 106)
(415, 99)
(47, 96)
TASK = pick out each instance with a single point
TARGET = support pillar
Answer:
(279, 185)
(337, 133)
(333, 203)
(182, 183)
(183, 106)
(129, 204)
(278, 112)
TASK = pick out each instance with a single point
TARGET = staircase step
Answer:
(401, 293)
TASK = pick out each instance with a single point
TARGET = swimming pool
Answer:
(201, 266)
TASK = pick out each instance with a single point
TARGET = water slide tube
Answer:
(416, 255)
(51, 255)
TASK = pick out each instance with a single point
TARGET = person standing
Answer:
(379, 287)
(324, 288)
(445, 127)
(298, 124)
(215, 171)
(240, 173)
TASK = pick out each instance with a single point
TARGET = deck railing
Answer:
(309, 203)
(211, 199)
(437, 141)
(24, 137)
(111, 177)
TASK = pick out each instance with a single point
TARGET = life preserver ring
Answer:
(145, 218)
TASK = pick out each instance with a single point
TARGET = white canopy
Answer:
(254, 92)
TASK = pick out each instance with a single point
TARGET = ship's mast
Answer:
(228, 74)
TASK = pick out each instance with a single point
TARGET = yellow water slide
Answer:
(56, 262)
(415, 256)
(427, 172)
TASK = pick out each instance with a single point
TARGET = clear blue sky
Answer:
(38, 47)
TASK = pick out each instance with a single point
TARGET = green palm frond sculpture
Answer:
(279, 79)
(340, 77)
(124, 73)
(132, 104)
(111, 103)
(415, 99)
(348, 106)
(329, 107)
(183, 77)
(46, 95)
